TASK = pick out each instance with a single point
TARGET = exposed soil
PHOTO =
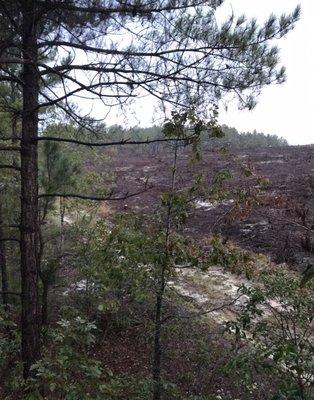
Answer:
(279, 222)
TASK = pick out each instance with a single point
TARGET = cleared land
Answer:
(279, 218)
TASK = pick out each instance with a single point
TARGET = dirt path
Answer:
(212, 289)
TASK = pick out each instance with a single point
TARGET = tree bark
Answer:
(157, 339)
(3, 262)
(62, 215)
(44, 303)
(44, 279)
(157, 387)
(29, 193)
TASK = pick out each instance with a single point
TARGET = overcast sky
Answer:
(285, 110)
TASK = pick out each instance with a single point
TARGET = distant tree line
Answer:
(231, 138)
(240, 140)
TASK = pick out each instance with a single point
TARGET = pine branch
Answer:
(12, 293)
(129, 53)
(12, 79)
(6, 166)
(202, 313)
(10, 148)
(107, 144)
(122, 9)
(9, 240)
(6, 138)
(92, 198)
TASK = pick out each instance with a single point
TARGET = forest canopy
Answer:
(231, 138)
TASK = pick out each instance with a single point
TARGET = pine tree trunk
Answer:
(44, 303)
(29, 193)
(3, 261)
(157, 342)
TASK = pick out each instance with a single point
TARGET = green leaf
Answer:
(307, 275)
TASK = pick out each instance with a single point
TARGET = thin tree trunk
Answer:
(29, 194)
(14, 124)
(3, 261)
(43, 278)
(62, 214)
(157, 340)
(157, 356)
(44, 303)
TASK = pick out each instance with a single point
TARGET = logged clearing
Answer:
(280, 223)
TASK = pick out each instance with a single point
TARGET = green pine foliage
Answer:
(229, 137)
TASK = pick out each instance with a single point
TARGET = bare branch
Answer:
(92, 198)
(9, 148)
(132, 10)
(117, 143)
(6, 166)
(12, 293)
(195, 315)
(294, 223)
(7, 138)
(9, 240)
(4, 78)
